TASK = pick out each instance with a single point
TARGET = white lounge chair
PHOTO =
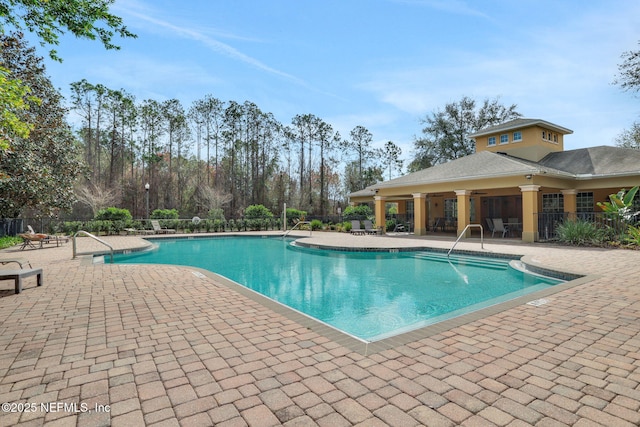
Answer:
(160, 230)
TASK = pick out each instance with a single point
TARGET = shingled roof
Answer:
(584, 163)
(595, 161)
(519, 124)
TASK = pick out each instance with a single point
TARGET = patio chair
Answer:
(160, 230)
(355, 227)
(499, 226)
(368, 227)
(438, 223)
(490, 225)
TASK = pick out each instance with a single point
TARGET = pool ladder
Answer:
(463, 233)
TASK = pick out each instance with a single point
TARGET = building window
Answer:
(552, 203)
(555, 137)
(492, 141)
(584, 201)
(472, 210)
(504, 139)
(451, 209)
(584, 206)
(517, 136)
(544, 134)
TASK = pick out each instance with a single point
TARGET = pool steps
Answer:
(461, 259)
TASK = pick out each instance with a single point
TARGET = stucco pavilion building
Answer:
(520, 173)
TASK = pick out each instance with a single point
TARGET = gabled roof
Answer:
(520, 123)
(475, 166)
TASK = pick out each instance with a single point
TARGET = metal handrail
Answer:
(294, 227)
(86, 233)
(462, 234)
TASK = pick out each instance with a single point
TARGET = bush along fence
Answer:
(112, 227)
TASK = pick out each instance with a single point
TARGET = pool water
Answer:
(369, 295)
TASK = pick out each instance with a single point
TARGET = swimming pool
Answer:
(368, 295)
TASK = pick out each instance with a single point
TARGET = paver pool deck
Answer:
(163, 345)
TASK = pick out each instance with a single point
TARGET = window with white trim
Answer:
(504, 139)
(492, 141)
(517, 136)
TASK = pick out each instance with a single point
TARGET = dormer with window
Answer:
(530, 139)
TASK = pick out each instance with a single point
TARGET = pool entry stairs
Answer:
(496, 264)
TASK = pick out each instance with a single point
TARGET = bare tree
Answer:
(96, 198)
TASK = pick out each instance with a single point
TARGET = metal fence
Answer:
(548, 223)
(12, 227)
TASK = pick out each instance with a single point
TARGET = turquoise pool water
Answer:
(370, 295)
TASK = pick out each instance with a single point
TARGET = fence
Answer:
(11, 227)
(548, 223)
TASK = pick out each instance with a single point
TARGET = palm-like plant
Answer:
(621, 205)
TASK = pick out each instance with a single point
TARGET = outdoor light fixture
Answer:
(146, 189)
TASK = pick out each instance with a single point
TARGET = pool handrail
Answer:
(464, 232)
(86, 233)
(297, 224)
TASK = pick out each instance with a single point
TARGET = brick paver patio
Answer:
(162, 345)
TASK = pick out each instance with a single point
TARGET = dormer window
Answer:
(504, 139)
(492, 141)
(517, 136)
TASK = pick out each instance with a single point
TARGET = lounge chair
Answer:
(30, 240)
(48, 238)
(161, 230)
(499, 226)
(355, 227)
(18, 275)
(20, 261)
(368, 227)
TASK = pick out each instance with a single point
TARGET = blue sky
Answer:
(382, 64)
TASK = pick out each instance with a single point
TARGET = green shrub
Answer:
(632, 235)
(580, 232)
(257, 211)
(316, 224)
(346, 226)
(113, 214)
(8, 241)
(218, 225)
(71, 227)
(295, 215)
(216, 214)
(164, 214)
(357, 212)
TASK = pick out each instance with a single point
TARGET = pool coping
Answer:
(364, 347)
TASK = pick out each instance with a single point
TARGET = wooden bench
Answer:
(18, 275)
